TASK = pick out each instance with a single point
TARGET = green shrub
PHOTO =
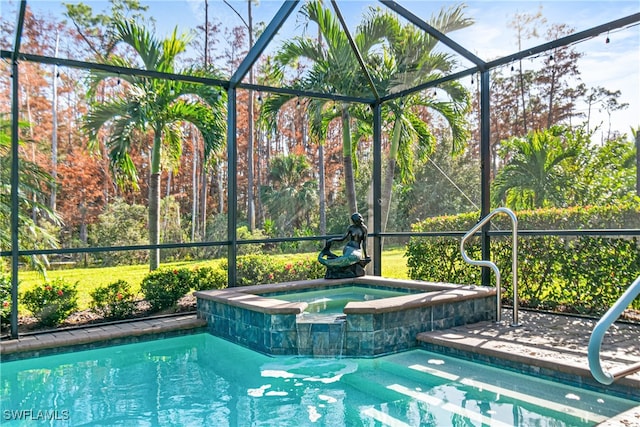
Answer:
(260, 269)
(114, 300)
(5, 299)
(163, 288)
(581, 274)
(52, 302)
(208, 278)
(302, 269)
(255, 269)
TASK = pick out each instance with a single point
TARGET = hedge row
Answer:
(583, 274)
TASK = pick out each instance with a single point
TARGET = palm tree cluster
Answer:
(397, 56)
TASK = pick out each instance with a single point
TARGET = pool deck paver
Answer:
(545, 340)
(35, 344)
(542, 340)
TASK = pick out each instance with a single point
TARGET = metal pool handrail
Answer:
(491, 265)
(601, 328)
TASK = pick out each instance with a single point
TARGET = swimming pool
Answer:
(202, 380)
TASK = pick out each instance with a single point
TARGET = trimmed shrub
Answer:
(52, 302)
(208, 278)
(114, 300)
(260, 269)
(579, 274)
(163, 288)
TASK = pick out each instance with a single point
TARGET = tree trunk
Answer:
(154, 201)
(387, 192)
(552, 91)
(349, 179)
(387, 187)
(251, 216)
(154, 220)
(522, 98)
(83, 227)
(321, 191)
(259, 178)
(194, 186)
(321, 187)
(54, 133)
(203, 198)
(220, 190)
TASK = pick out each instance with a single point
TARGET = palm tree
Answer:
(410, 60)
(533, 176)
(292, 193)
(159, 106)
(407, 60)
(335, 69)
(33, 185)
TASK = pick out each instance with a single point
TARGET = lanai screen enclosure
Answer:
(475, 68)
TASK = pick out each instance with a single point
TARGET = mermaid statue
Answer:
(354, 254)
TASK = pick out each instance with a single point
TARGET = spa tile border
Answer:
(427, 294)
(254, 317)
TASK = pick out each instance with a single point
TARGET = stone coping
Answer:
(57, 341)
(434, 293)
(524, 354)
(252, 302)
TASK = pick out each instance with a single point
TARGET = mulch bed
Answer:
(28, 324)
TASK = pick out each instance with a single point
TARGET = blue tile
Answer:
(360, 322)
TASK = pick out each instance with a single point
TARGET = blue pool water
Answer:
(201, 380)
(333, 300)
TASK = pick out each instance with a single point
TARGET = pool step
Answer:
(407, 404)
(413, 386)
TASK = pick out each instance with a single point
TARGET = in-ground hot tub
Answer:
(381, 315)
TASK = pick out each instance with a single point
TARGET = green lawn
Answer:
(393, 265)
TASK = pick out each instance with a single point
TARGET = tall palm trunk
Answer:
(321, 191)
(154, 220)
(154, 202)
(54, 131)
(349, 180)
(251, 216)
(387, 187)
(321, 187)
(194, 186)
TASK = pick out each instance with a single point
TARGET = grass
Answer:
(393, 265)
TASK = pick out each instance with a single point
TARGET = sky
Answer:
(614, 65)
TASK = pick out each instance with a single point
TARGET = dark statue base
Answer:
(346, 272)
(342, 267)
